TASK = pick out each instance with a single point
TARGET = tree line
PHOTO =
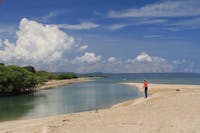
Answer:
(16, 80)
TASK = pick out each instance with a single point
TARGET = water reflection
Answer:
(67, 99)
(14, 107)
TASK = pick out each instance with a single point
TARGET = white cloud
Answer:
(175, 8)
(146, 63)
(185, 24)
(150, 21)
(112, 64)
(179, 62)
(83, 47)
(52, 14)
(47, 47)
(142, 63)
(118, 26)
(187, 13)
(36, 43)
(138, 22)
(112, 59)
(152, 36)
(81, 26)
(89, 58)
(98, 13)
(144, 57)
(159, 60)
(1, 43)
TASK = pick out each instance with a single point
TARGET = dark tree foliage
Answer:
(42, 76)
(66, 76)
(30, 69)
(17, 80)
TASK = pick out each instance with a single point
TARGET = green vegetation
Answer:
(30, 69)
(42, 76)
(14, 80)
(17, 80)
(66, 76)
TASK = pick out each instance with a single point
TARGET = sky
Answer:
(115, 36)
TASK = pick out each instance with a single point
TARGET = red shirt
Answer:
(145, 84)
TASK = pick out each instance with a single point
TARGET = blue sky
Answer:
(108, 36)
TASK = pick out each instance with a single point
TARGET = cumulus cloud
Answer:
(88, 57)
(112, 64)
(146, 63)
(81, 26)
(144, 57)
(36, 43)
(142, 63)
(112, 59)
(49, 48)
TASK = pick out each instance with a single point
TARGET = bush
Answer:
(30, 69)
(42, 76)
(15, 80)
(66, 76)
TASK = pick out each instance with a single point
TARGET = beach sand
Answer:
(168, 109)
(55, 83)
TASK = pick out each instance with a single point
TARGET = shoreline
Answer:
(155, 89)
(56, 83)
(166, 110)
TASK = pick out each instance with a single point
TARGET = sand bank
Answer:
(55, 83)
(166, 110)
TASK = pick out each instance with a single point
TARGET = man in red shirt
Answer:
(145, 88)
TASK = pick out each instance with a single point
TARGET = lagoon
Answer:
(73, 98)
(85, 96)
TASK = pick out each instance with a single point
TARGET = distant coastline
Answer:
(55, 83)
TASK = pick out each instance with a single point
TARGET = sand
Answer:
(55, 83)
(166, 110)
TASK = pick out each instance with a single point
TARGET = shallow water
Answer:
(102, 93)
(66, 99)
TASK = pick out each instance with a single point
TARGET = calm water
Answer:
(67, 99)
(83, 96)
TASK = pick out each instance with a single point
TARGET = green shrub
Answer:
(66, 76)
(14, 80)
(42, 76)
(30, 69)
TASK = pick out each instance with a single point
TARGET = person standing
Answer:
(146, 88)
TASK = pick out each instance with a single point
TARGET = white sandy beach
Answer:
(167, 110)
